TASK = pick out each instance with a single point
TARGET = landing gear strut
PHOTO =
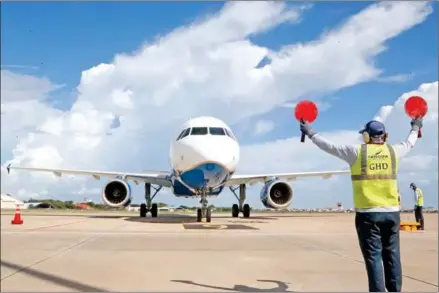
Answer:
(241, 207)
(204, 211)
(149, 206)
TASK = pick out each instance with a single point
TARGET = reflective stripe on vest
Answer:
(364, 176)
(372, 191)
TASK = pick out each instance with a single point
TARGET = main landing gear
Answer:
(240, 207)
(149, 206)
(204, 211)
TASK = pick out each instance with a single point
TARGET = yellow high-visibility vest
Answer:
(373, 177)
(420, 201)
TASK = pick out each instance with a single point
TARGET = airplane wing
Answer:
(158, 178)
(261, 178)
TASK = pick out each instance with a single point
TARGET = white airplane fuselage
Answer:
(203, 157)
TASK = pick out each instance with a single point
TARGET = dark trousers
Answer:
(378, 235)
(419, 216)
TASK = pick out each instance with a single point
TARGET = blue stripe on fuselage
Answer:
(205, 175)
(180, 190)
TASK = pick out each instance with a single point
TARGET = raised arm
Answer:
(403, 148)
(345, 152)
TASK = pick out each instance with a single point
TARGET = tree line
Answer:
(59, 204)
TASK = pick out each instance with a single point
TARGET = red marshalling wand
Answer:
(416, 107)
(305, 111)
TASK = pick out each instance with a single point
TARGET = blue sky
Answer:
(62, 39)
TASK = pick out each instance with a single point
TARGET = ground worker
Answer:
(419, 203)
(374, 167)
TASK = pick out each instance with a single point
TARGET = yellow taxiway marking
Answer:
(217, 226)
(208, 226)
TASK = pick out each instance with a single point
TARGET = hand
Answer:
(306, 129)
(416, 124)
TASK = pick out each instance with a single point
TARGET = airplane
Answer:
(203, 159)
(168, 209)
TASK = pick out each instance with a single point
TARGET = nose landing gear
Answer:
(204, 211)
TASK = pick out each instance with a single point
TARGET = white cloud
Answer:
(263, 127)
(383, 113)
(91, 191)
(206, 68)
(420, 162)
(424, 154)
(23, 107)
(402, 77)
(290, 155)
(321, 105)
(19, 66)
(23, 193)
(29, 88)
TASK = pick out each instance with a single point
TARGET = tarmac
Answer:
(265, 253)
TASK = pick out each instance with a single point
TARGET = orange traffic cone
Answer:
(17, 217)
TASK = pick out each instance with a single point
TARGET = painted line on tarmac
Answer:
(56, 225)
(50, 256)
(182, 231)
(218, 227)
(217, 233)
(179, 233)
(59, 252)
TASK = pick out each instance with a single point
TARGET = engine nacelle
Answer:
(116, 193)
(276, 194)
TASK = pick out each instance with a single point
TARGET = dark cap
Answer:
(374, 128)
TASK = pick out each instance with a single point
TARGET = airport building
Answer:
(10, 203)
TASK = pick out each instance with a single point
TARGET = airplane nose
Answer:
(222, 152)
(207, 164)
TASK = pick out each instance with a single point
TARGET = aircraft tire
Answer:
(143, 210)
(246, 211)
(199, 215)
(208, 215)
(235, 211)
(154, 210)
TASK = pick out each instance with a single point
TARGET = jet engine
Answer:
(116, 193)
(276, 194)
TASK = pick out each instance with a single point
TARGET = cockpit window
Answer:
(199, 131)
(217, 131)
(184, 133)
(229, 133)
(181, 134)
